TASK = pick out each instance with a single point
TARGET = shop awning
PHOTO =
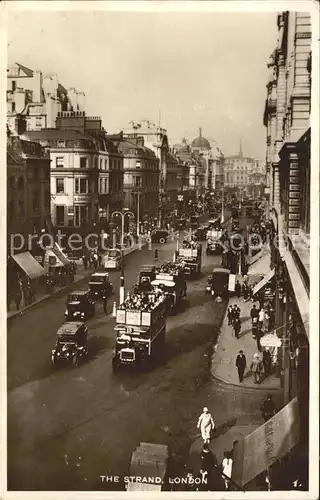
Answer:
(261, 265)
(270, 340)
(263, 282)
(29, 265)
(302, 297)
(52, 259)
(267, 444)
(256, 257)
(61, 256)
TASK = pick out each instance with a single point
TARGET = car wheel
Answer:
(162, 240)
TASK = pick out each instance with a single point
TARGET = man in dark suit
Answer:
(241, 364)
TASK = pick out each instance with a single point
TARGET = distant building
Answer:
(28, 191)
(156, 138)
(141, 177)
(192, 172)
(212, 160)
(245, 174)
(86, 171)
(38, 97)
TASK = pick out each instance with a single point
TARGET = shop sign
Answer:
(82, 198)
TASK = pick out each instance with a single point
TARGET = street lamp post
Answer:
(122, 215)
(222, 206)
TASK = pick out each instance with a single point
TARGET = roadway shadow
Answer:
(244, 332)
(223, 428)
(97, 345)
(245, 318)
(187, 337)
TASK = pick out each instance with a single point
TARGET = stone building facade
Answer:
(28, 190)
(38, 97)
(86, 171)
(287, 120)
(141, 177)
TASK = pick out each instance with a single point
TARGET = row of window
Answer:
(77, 216)
(81, 186)
(21, 205)
(103, 165)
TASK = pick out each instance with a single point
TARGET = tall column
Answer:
(293, 215)
(276, 187)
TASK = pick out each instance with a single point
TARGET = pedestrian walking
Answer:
(227, 469)
(266, 360)
(259, 335)
(230, 315)
(261, 318)
(99, 259)
(268, 408)
(266, 321)
(245, 292)
(256, 368)
(241, 364)
(85, 262)
(254, 313)
(237, 312)
(237, 327)
(105, 304)
(237, 289)
(206, 425)
(18, 297)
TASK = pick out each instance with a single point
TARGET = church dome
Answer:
(200, 142)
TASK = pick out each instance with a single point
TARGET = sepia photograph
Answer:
(160, 207)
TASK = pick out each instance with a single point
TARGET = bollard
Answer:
(114, 310)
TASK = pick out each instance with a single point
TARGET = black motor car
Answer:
(100, 286)
(79, 306)
(147, 273)
(159, 236)
(71, 344)
(201, 233)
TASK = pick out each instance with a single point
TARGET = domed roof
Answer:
(201, 142)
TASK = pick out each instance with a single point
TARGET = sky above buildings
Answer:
(201, 69)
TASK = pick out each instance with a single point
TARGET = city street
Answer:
(69, 426)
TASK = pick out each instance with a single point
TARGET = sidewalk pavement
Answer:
(79, 276)
(228, 346)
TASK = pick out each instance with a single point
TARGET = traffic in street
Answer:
(78, 415)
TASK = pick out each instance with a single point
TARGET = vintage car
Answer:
(201, 232)
(194, 221)
(159, 236)
(218, 283)
(112, 259)
(147, 273)
(100, 286)
(71, 344)
(181, 223)
(79, 306)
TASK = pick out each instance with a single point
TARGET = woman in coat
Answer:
(206, 425)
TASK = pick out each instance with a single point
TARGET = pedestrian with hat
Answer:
(206, 425)
(241, 364)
